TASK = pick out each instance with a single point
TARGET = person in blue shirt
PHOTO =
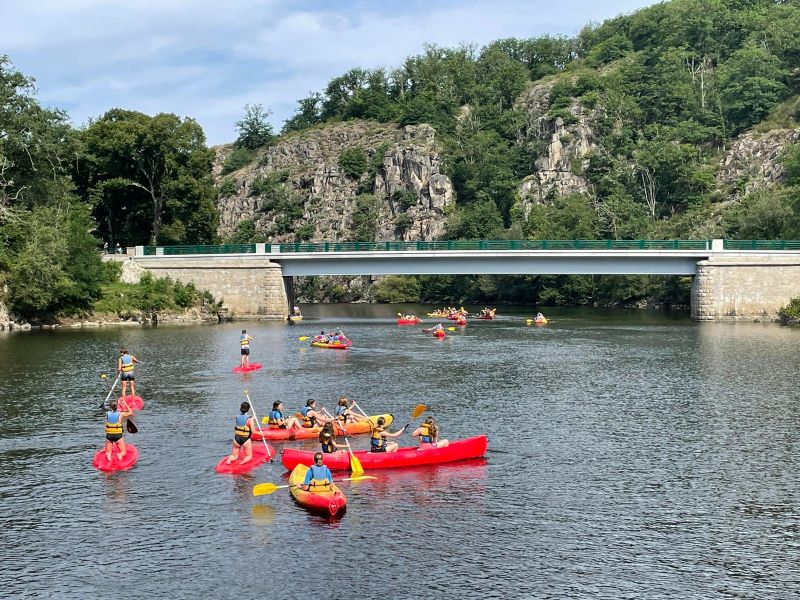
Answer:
(244, 342)
(113, 426)
(125, 366)
(241, 435)
(278, 421)
(310, 416)
(318, 477)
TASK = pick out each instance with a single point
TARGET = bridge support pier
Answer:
(288, 286)
(744, 288)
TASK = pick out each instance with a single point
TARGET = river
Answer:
(632, 455)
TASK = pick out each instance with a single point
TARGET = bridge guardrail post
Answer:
(717, 245)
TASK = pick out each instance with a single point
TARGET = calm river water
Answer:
(632, 455)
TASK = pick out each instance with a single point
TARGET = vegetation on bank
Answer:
(790, 314)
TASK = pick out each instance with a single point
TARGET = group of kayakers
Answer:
(487, 313)
(332, 337)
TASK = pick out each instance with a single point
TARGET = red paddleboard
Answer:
(260, 456)
(131, 402)
(247, 368)
(101, 462)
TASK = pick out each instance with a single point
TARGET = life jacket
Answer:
(377, 441)
(127, 363)
(340, 413)
(320, 481)
(275, 417)
(245, 341)
(307, 421)
(426, 436)
(327, 443)
(113, 423)
(242, 429)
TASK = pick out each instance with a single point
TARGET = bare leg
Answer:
(241, 360)
(248, 451)
(392, 447)
(121, 448)
(442, 443)
(293, 423)
(133, 388)
(124, 387)
(108, 447)
(234, 454)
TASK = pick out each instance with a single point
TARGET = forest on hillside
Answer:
(668, 89)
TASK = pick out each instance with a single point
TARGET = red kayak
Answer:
(461, 322)
(260, 456)
(130, 402)
(409, 321)
(247, 368)
(101, 463)
(486, 317)
(330, 503)
(473, 447)
(439, 334)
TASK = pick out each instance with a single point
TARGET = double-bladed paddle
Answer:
(262, 489)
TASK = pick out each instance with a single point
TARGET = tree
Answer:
(133, 164)
(255, 130)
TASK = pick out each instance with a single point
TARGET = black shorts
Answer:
(245, 351)
(113, 437)
(374, 449)
(240, 440)
(127, 376)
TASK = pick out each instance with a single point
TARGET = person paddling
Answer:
(241, 435)
(244, 342)
(309, 416)
(318, 477)
(113, 426)
(345, 413)
(428, 434)
(277, 420)
(327, 439)
(378, 440)
(125, 366)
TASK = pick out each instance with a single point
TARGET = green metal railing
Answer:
(477, 245)
(498, 245)
(219, 249)
(761, 244)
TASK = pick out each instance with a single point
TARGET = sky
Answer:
(206, 59)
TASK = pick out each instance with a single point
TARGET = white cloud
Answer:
(207, 58)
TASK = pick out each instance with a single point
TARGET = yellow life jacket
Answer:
(114, 428)
(241, 430)
(245, 341)
(426, 436)
(376, 439)
(127, 367)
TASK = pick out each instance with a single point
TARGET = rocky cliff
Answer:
(297, 188)
(753, 161)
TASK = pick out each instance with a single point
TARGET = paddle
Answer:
(355, 464)
(361, 410)
(451, 329)
(104, 377)
(262, 489)
(261, 431)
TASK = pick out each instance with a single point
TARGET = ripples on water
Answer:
(631, 456)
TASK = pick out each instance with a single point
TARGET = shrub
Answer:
(365, 219)
(791, 312)
(239, 158)
(397, 289)
(404, 199)
(353, 161)
(226, 188)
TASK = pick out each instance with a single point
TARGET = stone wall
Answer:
(740, 288)
(247, 288)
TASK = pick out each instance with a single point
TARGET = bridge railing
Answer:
(761, 244)
(200, 249)
(496, 245)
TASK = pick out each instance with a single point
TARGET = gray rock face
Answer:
(556, 172)
(753, 161)
(327, 197)
(131, 272)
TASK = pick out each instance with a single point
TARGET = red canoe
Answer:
(439, 334)
(473, 447)
(260, 456)
(247, 368)
(132, 402)
(101, 463)
(409, 321)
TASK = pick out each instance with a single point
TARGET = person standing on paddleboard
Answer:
(125, 366)
(241, 435)
(113, 425)
(244, 342)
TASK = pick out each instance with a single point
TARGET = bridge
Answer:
(733, 279)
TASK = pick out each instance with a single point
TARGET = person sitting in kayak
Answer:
(278, 421)
(309, 416)
(378, 440)
(113, 425)
(438, 327)
(428, 433)
(318, 477)
(539, 316)
(296, 311)
(125, 366)
(244, 342)
(241, 435)
(327, 439)
(344, 413)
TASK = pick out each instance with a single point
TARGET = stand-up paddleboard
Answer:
(101, 463)
(260, 456)
(131, 402)
(247, 368)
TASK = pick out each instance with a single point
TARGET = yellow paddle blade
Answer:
(263, 489)
(103, 376)
(359, 478)
(355, 466)
(451, 329)
(418, 410)
(265, 420)
(303, 338)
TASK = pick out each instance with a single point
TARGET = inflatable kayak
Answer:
(409, 321)
(437, 315)
(473, 447)
(260, 456)
(438, 334)
(304, 433)
(330, 503)
(486, 317)
(295, 318)
(101, 463)
(132, 402)
(461, 322)
(247, 368)
(336, 346)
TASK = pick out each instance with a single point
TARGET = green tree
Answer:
(255, 130)
(397, 289)
(353, 161)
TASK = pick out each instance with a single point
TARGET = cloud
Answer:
(206, 59)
